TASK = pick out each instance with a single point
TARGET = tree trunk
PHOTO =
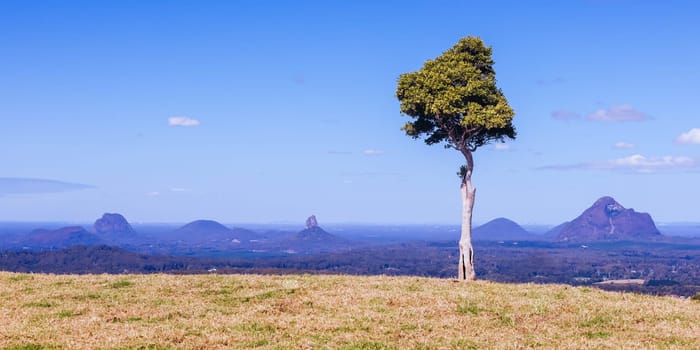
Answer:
(466, 250)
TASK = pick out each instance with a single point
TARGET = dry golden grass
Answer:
(330, 312)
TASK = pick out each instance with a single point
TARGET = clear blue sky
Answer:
(261, 111)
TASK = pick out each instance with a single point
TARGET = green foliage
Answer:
(121, 284)
(465, 344)
(408, 327)
(506, 320)
(696, 297)
(39, 304)
(89, 296)
(601, 324)
(597, 321)
(598, 335)
(257, 328)
(19, 277)
(454, 99)
(67, 313)
(257, 343)
(366, 345)
(28, 347)
(468, 307)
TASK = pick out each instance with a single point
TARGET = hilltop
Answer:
(333, 311)
(501, 229)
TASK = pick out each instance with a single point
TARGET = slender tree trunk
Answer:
(466, 250)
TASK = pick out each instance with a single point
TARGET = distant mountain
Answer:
(112, 224)
(203, 228)
(606, 219)
(314, 234)
(314, 239)
(203, 231)
(61, 238)
(501, 229)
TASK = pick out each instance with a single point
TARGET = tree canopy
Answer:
(454, 100)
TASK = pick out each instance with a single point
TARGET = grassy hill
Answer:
(339, 312)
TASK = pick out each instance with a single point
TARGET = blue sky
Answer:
(261, 111)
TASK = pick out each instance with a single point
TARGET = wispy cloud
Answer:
(647, 164)
(564, 115)
(152, 194)
(368, 174)
(180, 189)
(554, 81)
(339, 152)
(635, 163)
(501, 147)
(18, 185)
(624, 145)
(690, 137)
(620, 113)
(373, 152)
(183, 121)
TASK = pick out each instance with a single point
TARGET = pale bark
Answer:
(466, 250)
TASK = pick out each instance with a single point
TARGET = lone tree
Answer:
(453, 100)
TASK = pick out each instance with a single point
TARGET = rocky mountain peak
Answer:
(607, 219)
(311, 222)
(112, 223)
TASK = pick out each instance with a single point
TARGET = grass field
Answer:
(330, 312)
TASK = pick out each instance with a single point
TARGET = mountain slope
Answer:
(501, 229)
(61, 238)
(606, 219)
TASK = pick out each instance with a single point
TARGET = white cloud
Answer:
(621, 113)
(373, 152)
(690, 137)
(624, 145)
(635, 163)
(20, 185)
(501, 147)
(153, 194)
(640, 161)
(182, 121)
(179, 189)
(564, 115)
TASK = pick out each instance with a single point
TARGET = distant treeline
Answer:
(666, 268)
